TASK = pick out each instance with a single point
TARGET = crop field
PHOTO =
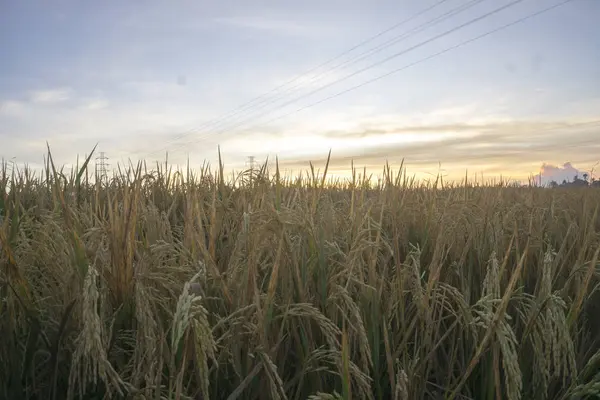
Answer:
(165, 284)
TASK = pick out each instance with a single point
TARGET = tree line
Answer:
(577, 182)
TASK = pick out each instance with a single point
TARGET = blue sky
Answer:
(135, 76)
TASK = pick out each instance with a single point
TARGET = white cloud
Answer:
(460, 135)
(12, 108)
(123, 130)
(558, 174)
(51, 95)
(96, 104)
(276, 25)
(156, 89)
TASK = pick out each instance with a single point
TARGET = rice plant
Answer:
(168, 284)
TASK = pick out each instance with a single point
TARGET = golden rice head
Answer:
(90, 360)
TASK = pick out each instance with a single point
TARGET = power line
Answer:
(373, 50)
(520, 20)
(527, 17)
(360, 57)
(377, 49)
(364, 42)
(368, 52)
(245, 105)
(387, 59)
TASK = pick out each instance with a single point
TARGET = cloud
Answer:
(150, 88)
(153, 114)
(12, 108)
(96, 104)
(123, 130)
(422, 130)
(273, 24)
(50, 96)
(515, 146)
(514, 131)
(156, 18)
(567, 172)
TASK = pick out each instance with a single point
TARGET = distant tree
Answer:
(579, 182)
(553, 184)
(585, 177)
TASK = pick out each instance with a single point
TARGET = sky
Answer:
(297, 79)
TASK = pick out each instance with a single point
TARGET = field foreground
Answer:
(161, 285)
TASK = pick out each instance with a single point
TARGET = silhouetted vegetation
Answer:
(577, 182)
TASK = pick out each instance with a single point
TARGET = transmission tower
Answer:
(101, 167)
(250, 162)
